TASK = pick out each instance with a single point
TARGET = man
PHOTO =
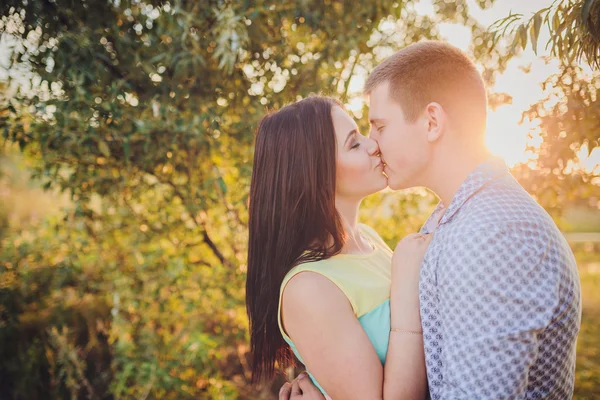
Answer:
(499, 292)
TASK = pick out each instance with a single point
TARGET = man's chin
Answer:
(398, 184)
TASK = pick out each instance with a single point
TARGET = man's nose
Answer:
(373, 147)
(373, 134)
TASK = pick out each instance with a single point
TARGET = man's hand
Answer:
(300, 388)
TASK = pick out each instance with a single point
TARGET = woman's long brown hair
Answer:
(292, 219)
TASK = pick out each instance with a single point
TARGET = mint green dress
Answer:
(366, 281)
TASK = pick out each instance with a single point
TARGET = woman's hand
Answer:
(406, 271)
(300, 388)
(409, 254)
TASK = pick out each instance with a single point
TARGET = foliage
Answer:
(569, 122)
(569, 117)
(574, 27)
(587, 376)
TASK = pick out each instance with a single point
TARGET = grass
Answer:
(587, 374)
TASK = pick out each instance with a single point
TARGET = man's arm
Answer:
(495, 297)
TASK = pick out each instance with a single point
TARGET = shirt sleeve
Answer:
(496, 294)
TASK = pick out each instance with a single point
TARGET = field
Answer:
(587, 384)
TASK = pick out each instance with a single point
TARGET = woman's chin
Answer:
(373, 190)
(367, 186)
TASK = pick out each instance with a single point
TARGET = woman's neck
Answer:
(355, 243)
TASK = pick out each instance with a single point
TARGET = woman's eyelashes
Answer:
(358, 137)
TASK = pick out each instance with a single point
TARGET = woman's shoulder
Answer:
(314, 270)
(317, 266)
(308, 285)
(315, 276)
(309, 293)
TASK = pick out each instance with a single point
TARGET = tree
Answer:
(574, 27)
(568, 128)
(569, 116)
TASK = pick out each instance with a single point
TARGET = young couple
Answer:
(487, 307)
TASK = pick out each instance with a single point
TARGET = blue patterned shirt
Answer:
(500, 296)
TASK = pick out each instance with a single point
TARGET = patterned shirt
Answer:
(500, 296)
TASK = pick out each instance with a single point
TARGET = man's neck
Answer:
(448, 175)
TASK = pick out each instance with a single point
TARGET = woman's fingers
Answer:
(285, 391)
(309, 391)
(300, 388)
(295, 389)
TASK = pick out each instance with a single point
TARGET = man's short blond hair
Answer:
(434, 71)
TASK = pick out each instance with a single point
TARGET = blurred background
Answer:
(126, 146)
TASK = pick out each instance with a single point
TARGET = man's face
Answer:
(404, 146)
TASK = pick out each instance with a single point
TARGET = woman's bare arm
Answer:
(405, 376)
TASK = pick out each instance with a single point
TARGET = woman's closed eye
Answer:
(356, 141)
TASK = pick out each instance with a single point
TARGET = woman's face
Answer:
(359, 167)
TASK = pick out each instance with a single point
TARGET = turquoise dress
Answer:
(365, 279)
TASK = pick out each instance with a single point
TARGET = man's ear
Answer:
(435, 120)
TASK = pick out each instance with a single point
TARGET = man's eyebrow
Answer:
(376, 120)
(351, 133)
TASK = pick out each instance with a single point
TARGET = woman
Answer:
(319, 282)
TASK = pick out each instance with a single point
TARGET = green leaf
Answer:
(222, 185)
(556, 22)
(534, 31)
(585, 10)
(126, 151)
(157, 58)
(522, 32)
(103, 147)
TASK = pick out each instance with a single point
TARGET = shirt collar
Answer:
(484, 173)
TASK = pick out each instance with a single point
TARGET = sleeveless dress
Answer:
(365, 279)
